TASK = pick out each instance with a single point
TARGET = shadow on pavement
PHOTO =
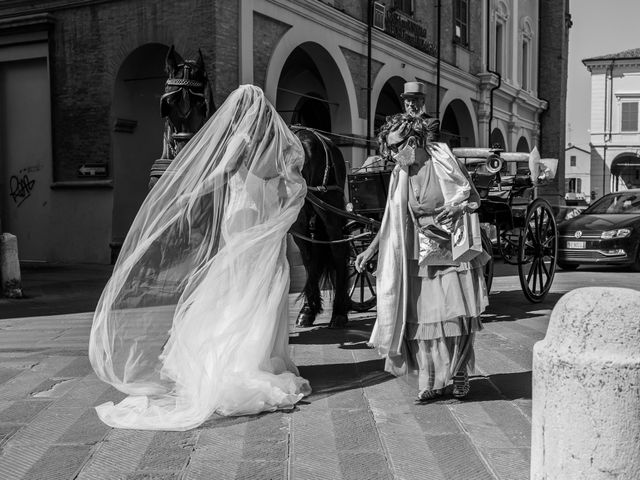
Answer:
(500, 386)
(56, 289)
(503, 308)
(332, 378)
(354, 336)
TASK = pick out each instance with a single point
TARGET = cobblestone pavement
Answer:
(359, 423)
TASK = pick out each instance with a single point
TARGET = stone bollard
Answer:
(10, 266)
(586, 388)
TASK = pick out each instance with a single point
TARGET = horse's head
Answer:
(187, 101)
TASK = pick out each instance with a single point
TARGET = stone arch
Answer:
(329, 80)
(457, 124)
(526, 26)
(498, 138)
(625, 171)
(136, 138)
(388, 101)
(523, 145)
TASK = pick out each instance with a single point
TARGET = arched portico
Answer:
(498, 139)
(523, 145)
(388, 101)
(298, 58)
(137, 134)
(625, 171)
(457, 125)
(311, 85)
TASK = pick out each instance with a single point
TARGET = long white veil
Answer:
(194, 319)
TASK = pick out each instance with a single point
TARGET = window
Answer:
(501, 36)
(525, 65)
(572, 161)
(629, 117)
(499, 47)
(461, 22)
(575, 185)
(527, 54)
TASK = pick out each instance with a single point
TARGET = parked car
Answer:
(607, 232)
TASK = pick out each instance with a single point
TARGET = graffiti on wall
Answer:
(21, 186)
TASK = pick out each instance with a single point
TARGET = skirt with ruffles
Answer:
(443, 314)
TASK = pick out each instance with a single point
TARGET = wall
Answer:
(25, 141)
(88, 44)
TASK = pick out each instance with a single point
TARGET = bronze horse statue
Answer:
(186, 104)
(317, 227)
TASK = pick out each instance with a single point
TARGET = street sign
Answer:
(93, 170)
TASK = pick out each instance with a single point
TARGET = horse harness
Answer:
(183, 84)
(328, 162)
(321, 204)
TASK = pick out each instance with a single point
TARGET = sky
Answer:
(599, 27)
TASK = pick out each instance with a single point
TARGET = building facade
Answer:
(577, 174)
(615, 121)
(82, 79)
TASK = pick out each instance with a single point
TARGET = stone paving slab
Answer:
(359, 423)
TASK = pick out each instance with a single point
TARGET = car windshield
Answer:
(621, 202)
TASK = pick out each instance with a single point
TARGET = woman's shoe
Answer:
(460, 384)
(428, 395)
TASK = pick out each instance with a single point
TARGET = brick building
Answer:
(81, 80)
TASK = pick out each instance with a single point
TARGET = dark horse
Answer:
(325, 173)
(186, 104)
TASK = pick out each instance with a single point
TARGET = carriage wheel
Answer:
(362, 285)
(538, 251)
(488, 268)
(508, 245)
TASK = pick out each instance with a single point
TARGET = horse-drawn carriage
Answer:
(517, 225)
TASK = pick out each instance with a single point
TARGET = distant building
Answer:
(577, 173)
(81, 81)
(615, 121)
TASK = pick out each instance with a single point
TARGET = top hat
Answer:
(414, 89)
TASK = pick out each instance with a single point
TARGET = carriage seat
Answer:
(522, 180)
(483, 181)
(499, 195)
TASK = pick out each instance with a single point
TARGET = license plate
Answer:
(576, 244)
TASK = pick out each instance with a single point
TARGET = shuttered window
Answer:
(629, 117)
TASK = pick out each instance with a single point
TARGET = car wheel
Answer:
(568, 266)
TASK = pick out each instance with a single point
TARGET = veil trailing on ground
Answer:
(194, 319)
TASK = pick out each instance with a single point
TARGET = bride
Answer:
(194, 319)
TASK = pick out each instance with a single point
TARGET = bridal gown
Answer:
(194, 320)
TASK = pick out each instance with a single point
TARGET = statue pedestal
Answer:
(157, 169)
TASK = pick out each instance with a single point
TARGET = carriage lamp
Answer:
(619, 233)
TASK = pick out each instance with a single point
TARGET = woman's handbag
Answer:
(434, 242)
(466, 240)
